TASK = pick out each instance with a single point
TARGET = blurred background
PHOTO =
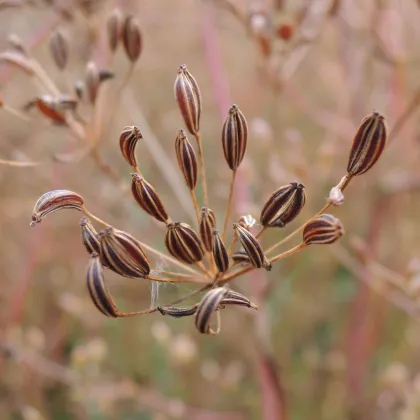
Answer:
(337, 335)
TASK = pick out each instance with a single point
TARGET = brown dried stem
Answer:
(202, 168)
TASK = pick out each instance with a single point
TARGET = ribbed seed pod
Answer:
(122, 253)
(283, 205)
(90, 237)
(207, 224)
(235, 298)
(247, 222)
(241, 257)
(147, 198)
(175, 312)
(59, 49)
(132, 39)
(252, 248)
(183, 243)
(368, 144)
(128, 141)
(188, 96)
(323, 229)
(234, 137)
(209, 304)
(187, 159)
(114, 29)
(53, 201)
(98, 291)
(92, 81)
(220, 254)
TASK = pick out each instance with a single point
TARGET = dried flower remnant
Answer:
(187, 159)
(59, 49)
(114, 26)
(90, 237)
(53, 201)
(234, 137)
(336, 197)
(368, 144)
(283, 205)
(128, 141)
(252, 248)
(188, 96)
(247, 222)
(322, 230)
(183, 243)
(147, 198)
(122, 253)
(220, 254)
(207, 224)
(132, 39)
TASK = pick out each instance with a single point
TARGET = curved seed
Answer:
(114, 29)
(234, 137)
(188, 96)
(90, 237)
(92, 81)
(187, 159)
(132, 39)
(283, 205)
(128, 141)
(247, 222)
(148, 199)
(177, 312)
(323, 229)
(235, 298)
(207, 224)
(53, 201)
(183, 243)
(252, 248)
(220, 254)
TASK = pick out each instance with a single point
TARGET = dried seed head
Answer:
(234, 137)
(98, 291)
(323, 229)
(53, 201)
(368, 144)
(114, 29)
(132, 39)
(122, 253)
(220, 254)
(147, 198)
(235, 298)
(183, 243)
(283, 205)
(209, 304)
(336, 197)
(207, 224)
(90, 237)
(241, 257)
(187, 159)
(92, 81)
(128, 141)
(188, 96)
(247, 222)
(177, 312)
(252, 248)
(59, 49)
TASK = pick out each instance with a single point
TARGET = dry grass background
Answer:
(337, 336)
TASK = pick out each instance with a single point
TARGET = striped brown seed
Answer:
(183, 243)
(219, 251)
(252, 248)
(128, 142)
(92, 81)
(188, 96)
(90, 237)
(175, 312)
(132, 38)
(323, 229)
(368, 144)
(235, 298)
(234, 137)
(53, 201)
(209, 304)
(187, 159)
(241, 257)
(247, 221)
(114, 29)
(98, 291)
(59, 49)
(122, 253)
(148, 199)
(207, 224)
(283, 205)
